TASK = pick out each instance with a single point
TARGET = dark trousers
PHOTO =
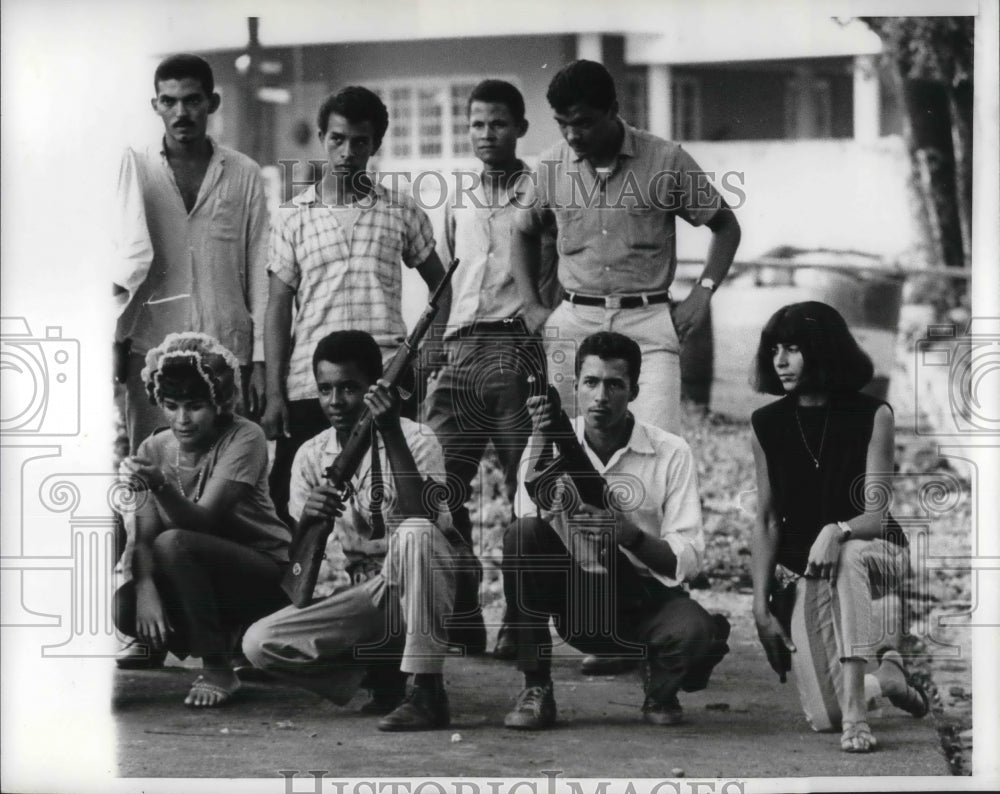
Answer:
(305, 420)
(211, 589)
(479, 398)
(617, 612)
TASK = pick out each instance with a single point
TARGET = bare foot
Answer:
(212, 688)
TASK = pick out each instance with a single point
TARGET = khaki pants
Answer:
(652, 327)
(396, 618)
(833, 622)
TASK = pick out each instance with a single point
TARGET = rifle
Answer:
(309, 546)
(572, 461)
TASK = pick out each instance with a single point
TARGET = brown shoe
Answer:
(421, 710)
(608, 665)
(535, 709)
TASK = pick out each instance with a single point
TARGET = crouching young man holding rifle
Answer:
(609, 530)
(403, 555)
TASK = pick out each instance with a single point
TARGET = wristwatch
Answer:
(845, 531)
(708, 284)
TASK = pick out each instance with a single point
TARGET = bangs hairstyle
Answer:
(832, 359)
(357, 347)
(178, 67)
(582, 82)
(192, 366)
(356, 104)
(500, 92)
(608, 344)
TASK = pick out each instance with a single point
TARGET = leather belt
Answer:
(617, 301)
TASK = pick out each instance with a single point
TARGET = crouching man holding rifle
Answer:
(403, 554)
(607, 559)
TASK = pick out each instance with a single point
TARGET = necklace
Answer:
(815, 458)
(201, 473)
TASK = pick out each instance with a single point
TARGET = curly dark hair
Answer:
(501, 92)
(178, 67)
(609, 344)
(582, 82)
(356, 104)
(358, 347)
(832, 359)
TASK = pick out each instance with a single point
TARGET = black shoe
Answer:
(608, 665)
(506, 647)
(386, 686)
(381, 702)
(469, 633)
(666, 712)
(139, 656)
(421, 710)
(535, 709)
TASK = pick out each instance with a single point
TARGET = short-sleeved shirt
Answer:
(353, 528)
(345, 279)
(477, 232)
(615, 234)
(240, 455)
(656, 481)
(203, 270)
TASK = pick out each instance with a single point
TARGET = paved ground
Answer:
(745, 725)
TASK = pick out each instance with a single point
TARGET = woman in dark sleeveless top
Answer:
(824, 456)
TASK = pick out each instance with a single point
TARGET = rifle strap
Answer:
(377, 489)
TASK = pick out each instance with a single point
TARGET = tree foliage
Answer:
(931, 59)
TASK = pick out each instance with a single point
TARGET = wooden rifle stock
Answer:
(309, 546)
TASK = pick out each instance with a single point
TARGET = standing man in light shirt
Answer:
(612, 193)
(192, 243)
(191, 248)
(479, 395)
(334, 264)
(612, 580)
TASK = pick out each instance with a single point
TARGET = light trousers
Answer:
(397, 618)
(659, 400)
(834, 622)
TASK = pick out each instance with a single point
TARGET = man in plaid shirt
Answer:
(334, 263)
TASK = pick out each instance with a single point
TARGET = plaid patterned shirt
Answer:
(345, 279)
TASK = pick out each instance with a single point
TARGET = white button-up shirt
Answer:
(655, 482)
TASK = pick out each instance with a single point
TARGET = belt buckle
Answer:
(613, 302)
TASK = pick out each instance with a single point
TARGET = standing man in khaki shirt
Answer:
(612, 194)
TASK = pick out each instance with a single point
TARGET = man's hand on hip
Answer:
(690, 312)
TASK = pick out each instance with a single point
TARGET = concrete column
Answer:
(589, 47)
(867, 110)
(659, 99)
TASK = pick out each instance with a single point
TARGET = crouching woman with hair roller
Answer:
(209, 549)
(824, 458)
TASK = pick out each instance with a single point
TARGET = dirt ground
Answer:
(746, 724)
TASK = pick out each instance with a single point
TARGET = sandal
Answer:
(221, 694)
(914, 700)
(857, 738)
